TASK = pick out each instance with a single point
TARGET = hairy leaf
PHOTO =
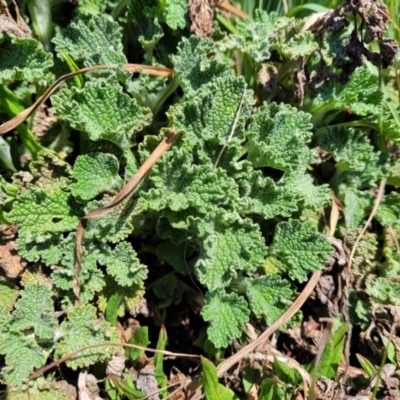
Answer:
(95, 173)
(278, 137)
(227, 314)
(92, 40)
(34, 310)
(301, 247)
(103, 111)
(22, 59)
(269, 296)
(82, 329)
(229, 245)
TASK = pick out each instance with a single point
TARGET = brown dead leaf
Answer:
(10, 262)
(201, 14)
(44, 119)
(8, 23)
(175, 377)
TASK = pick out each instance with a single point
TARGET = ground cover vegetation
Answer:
(199, 199)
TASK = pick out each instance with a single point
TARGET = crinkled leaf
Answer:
(180, 185)
(115, 225)
(269, 296)
(388, 213)
(357, 161)
(91, 277)
(35, 310)
(357, 205)
(207, 119)
(22, 356)
(391, 252)
(300, 45)
(103, 111)
(22, 59)
(308, 193)
(47, 171)
(301, 247)
(278, 137)
(365, 256)
(260, 195)
(41, 389)
(252, 37)
(82, 328)
(95, 173)
(144, 13)
(229, 245)
(384, 291)
(123, 264)
(227, 314)
(8, 295)
(195, 65)
(92, 40)
(174, 12)
(41, 210)
(349, 96)
(132, 296)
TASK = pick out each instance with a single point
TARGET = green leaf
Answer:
(112, 309)
(115, 225)
(40, 210)
(140, 337)
(304, 188)
(301, 247)
(383, 291)
(95, 173)
(127, 388)
(82, 329)
(123, 264)
(8, 295)
(23, 59)
(180, 185)
(252, 36)
(212, 389)
(278, 137)
(262, 196)
(41, 389)
(34, 310)
(358, 204)
(332, 354)
(207, 119)
(286, 374)
(299, 45)
(269, 296)
(357, 161)
(335, 96)
(229, 244)
(22, 356)
(144, 13)
(176, 256)
(366, 365)
(159, 362)
(195, 65)
(272, 390)
(92, 40)
(388, 213)
(174, 12)
(101, 110)
(227, 314)
(165, 287)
